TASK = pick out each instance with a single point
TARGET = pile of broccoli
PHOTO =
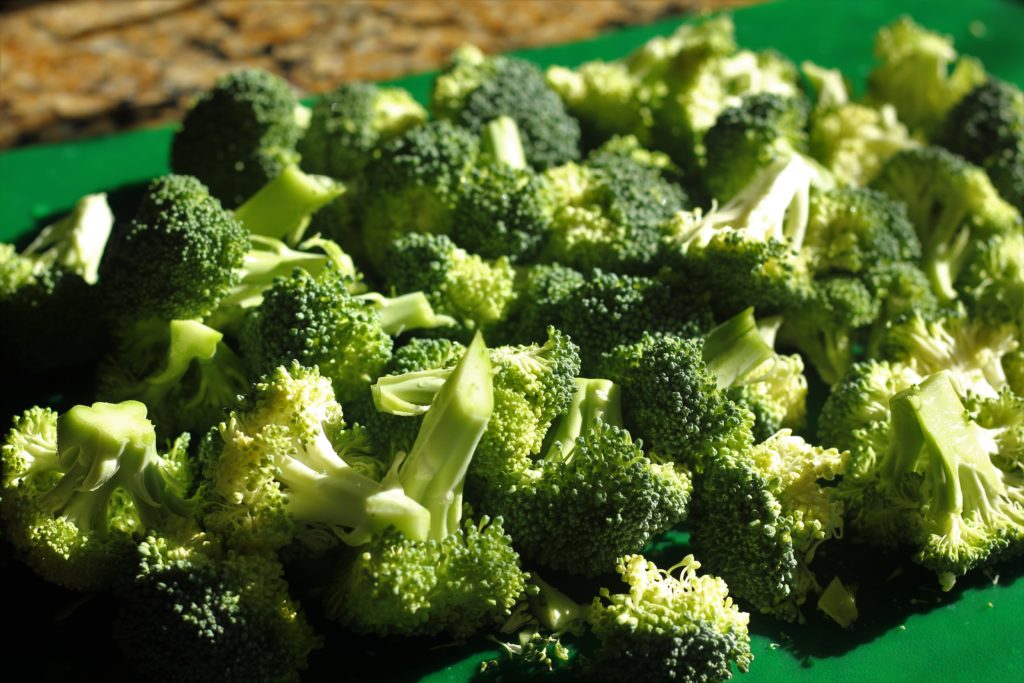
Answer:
(371, 368)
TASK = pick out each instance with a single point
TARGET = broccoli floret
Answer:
(540, 289)
(182, 370)
(992, 284)
(229, 611)
(1006, 169)
(504, 208)
(474, 291)
(349, 123)
(760, 514)
(81, 488)
(764, 128)
(414, 184)
(671, 398)
(951, 204)
(278, 469)
(608, 213)
(670, 625)
(949, 482)
(239, 134)
(746, 253)
(476, 89)
(594, 482)
(51, 288)
(914, 74)
(988, 120)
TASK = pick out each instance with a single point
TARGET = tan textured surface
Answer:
(76, 69)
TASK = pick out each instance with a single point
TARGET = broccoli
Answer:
(51, 287)
(608, 213)
(504, 208)
(280, 469)
(414, 184)
(474, 291)
(182, 370)
(239, 135)
(992, 284)
(951, 204)
(746, 138)
(594, 482)
(760, 514)
(746, 253)
(80, 489)
(948, 484)
(667, 626)
(229, 611)
(284, 206)
(476, 89)
(914, 74)
(1006, 169)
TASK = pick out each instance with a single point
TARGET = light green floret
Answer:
(79, 489)
(670, 625)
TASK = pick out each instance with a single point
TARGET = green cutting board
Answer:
(908, 630)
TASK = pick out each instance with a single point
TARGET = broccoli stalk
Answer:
(284, 206)
(500, 141)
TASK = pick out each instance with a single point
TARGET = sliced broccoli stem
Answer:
(410, 393)
(189, 340)
(433, 472)
(595, 399)
(736, 352)
(501, 140)
(283, 207)
(555, 610)
(406, 312)
(77, 241)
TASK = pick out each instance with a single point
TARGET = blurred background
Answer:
(74, 69)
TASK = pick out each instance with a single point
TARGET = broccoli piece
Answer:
(474, 291)
(992, 284)
(539, 290)
(239, 135)
(476, 89)
(914, 74)
(182, 370)
(1006, 169)
(608, 213)
(594, 482)
(667, 626)
(853, 140)
(747, 252)
(350, 123)
(671, 399)
(948, 484)
(764, 128)
(81, 488)
(51, 287)
(414, 185)
(284, 206)
(760, 514)
(988, 120)
(280, 468)
(504, 208)
(316, 321)
(229, 611)
(951, 204)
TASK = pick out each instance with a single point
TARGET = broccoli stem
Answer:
(736, 352)
(406, 312)
(189, 340)
(501, 141)
(283, 207)
(433, 472)
(595, 399)
(77, 241)
(408, 394)
(553, 609)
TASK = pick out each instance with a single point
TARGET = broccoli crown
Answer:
(671, 399)
(951, 204)
(349, 123)
(459, 585)
(423, 353)
(989, 119)
(279, 469)
(594, 482)
(473, 290)
(315, 321)
(970, 349)
(476, 89)
(746, 138)
(668, 626)
(79, 488)
(540, 289)
(414, 185)
(178, 258)
(238, 135)
(855, 416)
(1006, 169)
(182, 370)
(229, 611)
(760, 514)
(947, 486)
(854, 141)
(992, 284)
(914, 74)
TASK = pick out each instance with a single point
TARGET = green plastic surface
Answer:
(908, 630)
